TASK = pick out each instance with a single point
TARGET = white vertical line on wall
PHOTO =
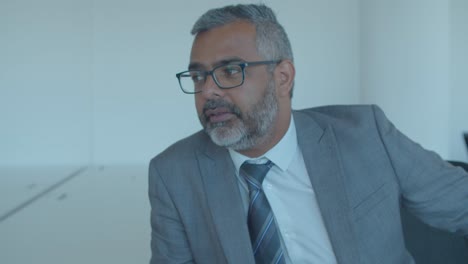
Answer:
(91, 87)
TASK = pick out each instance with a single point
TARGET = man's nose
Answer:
(210, 89)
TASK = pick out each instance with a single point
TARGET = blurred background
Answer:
(88, 96)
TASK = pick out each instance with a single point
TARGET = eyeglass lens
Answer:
(226, 76)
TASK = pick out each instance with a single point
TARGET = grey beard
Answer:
(249, 129)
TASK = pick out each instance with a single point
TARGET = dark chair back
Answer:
(465, 136)
(463, 165)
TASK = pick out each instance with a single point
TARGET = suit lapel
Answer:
(319, 149)
(225, 202)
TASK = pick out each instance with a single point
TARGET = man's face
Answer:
(243, 117)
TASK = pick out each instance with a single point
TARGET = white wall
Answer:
(414, 66)
(94, 81)
(405, 66)
(45, 92)
(459, 78)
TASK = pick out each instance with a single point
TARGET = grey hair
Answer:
(271, 38)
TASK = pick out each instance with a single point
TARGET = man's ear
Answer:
(285, 73)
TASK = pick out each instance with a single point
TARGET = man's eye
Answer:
(197, 77)
(231, 70)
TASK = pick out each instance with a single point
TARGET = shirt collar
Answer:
(281, 154)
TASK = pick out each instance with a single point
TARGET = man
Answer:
(265, 184)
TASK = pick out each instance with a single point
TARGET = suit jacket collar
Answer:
(321, 156)
(224, 199)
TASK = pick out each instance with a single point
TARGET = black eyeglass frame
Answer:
(243, 65)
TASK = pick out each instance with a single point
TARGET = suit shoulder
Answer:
(349, 115)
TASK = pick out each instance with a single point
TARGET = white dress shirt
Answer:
(292, 199)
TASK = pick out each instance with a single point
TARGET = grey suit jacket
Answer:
(362, 170)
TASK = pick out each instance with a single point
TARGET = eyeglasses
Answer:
(225, 76)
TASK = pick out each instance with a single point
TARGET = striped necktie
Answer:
(264, 233)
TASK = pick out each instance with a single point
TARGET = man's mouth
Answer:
(216, 115)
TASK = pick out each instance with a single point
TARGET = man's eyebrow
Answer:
(199, 66)
(195, 66)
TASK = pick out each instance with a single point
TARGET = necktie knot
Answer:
(255, 173)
